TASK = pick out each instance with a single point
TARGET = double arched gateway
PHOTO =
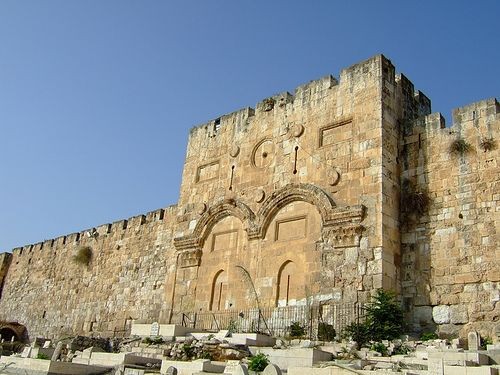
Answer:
(236, 258)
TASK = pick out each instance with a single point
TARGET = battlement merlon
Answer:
(465, 118)
(102, 229)
(488, 108)
(354, 77)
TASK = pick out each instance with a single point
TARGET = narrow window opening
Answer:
(287, 288)
(295, 160)
(216, 125)
(161, 215)
(43, 315)
(77, 238)
(108, 230)
(232, 175)
(220, 296)
(125, 223)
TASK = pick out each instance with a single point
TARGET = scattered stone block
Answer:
(271, 369)
(231, 366)
(473, 341)
(57, 352)
(26, 352)
(441, 314)
(155, 329)
(171, 371)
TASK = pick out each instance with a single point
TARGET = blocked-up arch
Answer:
(285, 279)
(219, 290)
(214, 214)
(228, 207)
(291, 193)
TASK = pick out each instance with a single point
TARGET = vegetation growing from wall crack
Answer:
(487, 144)
(460, 146)
(83, 255)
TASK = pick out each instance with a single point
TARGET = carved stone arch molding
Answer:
(341, 225)
(331, 215)
(190, 245)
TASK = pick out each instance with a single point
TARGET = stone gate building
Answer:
(344, 187)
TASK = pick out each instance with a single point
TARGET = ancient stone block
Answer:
(441, 314)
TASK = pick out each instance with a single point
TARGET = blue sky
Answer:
(97, 97)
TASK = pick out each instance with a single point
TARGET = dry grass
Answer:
(460, 146)
(83, 255)
(416, 202)
(488, 144)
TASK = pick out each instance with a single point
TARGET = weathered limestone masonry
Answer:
(451, 258)
(296, 201)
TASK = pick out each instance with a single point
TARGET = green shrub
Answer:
(297, 330)
(188, 350)
(232, 326)
(83, 255)
(380, 348)
(485, 341)
(42, 356)
(258, 362)
(426, 336)
(158, 340)
(384, 320)
(326, 332)
(384, 316)
(402, 349)
(359, 332)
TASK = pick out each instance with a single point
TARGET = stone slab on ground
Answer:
(186, 368)
(477, 358)
(45, 351)
(459, 370)
(293, 357)
(251, 339)
(321, 371)
(42, 366)
(163, 330)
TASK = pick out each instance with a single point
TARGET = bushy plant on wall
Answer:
(413, 201)
(460, 146)
(83, 255)
(487, 144)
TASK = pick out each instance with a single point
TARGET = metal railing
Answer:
(276, 321)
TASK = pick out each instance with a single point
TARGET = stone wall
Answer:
(52, 295)
(299, 200)
(451, 267)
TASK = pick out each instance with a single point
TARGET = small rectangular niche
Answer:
(225, 240)
(207, 172)
(337, 132)
(291, 229)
